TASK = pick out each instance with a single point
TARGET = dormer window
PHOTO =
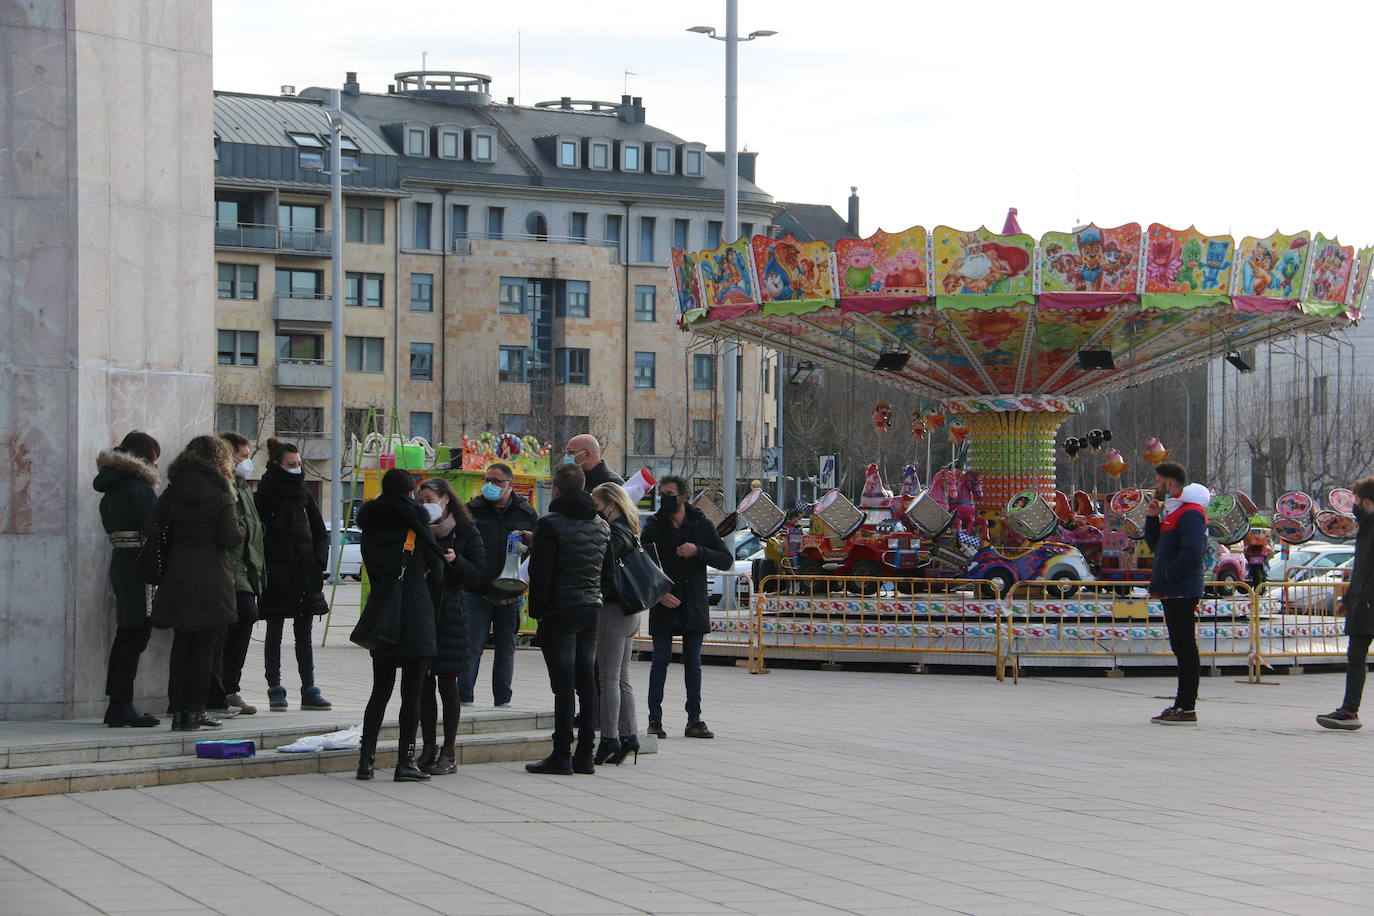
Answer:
(309, 150)
(631, 157)
(348, 154)
(568, 153)
(417, 141)
(663, 159)
(691, 162)
(600, 158)
(450, 142)
(483, 146)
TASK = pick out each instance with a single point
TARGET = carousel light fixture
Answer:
(1235, 358)
(802, 371)
(891, 360)
(1091, 358)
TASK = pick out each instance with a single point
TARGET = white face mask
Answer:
(244, 468)
(434, 510)
(296, 470)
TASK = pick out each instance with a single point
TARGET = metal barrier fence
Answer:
(1304, 625)
(732, 622)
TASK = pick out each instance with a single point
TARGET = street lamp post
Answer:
(335, 112)
(730, 375)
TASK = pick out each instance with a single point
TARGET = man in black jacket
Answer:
(685, 542)
(585, 453)
(1357, 607)
(498, 511)
(565, 596)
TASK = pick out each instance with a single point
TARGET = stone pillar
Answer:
(106, 318)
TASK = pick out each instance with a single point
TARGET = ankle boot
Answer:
(606, 750)
(406, 770)
(367, 752)
(582, 759)
(628, 746)
(559, 763)
(122, 714)
(445, 763)
(427, 755)
(183, 720)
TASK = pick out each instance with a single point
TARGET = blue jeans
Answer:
(691, 673)
(502, 620)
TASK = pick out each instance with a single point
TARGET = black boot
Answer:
(367, 752)
(582, 758)
(406, 770)
(559, 763)
(446, 762)
(122, 714)
(184, 720)
(607, 749)
(427, 755)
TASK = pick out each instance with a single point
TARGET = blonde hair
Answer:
(615, 494)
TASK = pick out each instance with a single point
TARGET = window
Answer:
(573, 301)
(364, 224)
(766, 431)
(630, 154)
(496, 222)
(450, 145)
(238, 281)
(415, 141)
(663, 160)
(739, 371)
(681, 228)
(460, 221)
(644, 436)
(739, 438)
(363, 289)
(309, 150)
(613, 229)
(567, 154)
(691, 162)
(298, 284)
(515, 423)
(566, 426)
(298, 421)
(571, 365)
(237, 418)
(646, 238)
(1319, 394)
(512, 365)
(703, 372)
(645, 370)
(577, 226)
(227, 212)
(422, 292)
(512, 300)
(765, 367)
(601, 155)
(424, 216)
(238, 348)
(483, 147)
(422, 425)
(300, 348)
(348, 154)
(746, 230)
(703, 437)
(645, 303)
(422, 362)
(298, 225)
(363, 354)
(713, 234)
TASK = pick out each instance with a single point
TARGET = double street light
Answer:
(730, 375)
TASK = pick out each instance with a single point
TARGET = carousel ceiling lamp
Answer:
(802, 371)
(1235, 358)
(891, 361)
(1095, 358)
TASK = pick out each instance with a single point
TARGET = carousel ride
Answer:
(1010, 334)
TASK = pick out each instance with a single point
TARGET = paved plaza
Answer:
(825, 791)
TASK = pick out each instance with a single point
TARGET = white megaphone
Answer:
(640, 484)
(509, 584)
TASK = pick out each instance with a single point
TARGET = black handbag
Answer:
(639, 582)
(379, 626)
(151, 562)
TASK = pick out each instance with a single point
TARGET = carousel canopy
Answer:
(974, 314)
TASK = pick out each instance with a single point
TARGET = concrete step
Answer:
(59, 778)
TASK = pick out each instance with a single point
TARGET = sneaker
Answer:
(311, 698)
(697, 729)
(237, 702)
(1342, 718)
(498, 705)
(276, 698)
(224, 712)
(1175, 716)
(467, 703)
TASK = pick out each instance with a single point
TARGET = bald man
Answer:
(585, 452)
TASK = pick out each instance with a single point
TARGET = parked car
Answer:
(745, 547)
(351, 561)
(1319, 591)
(1307, 560)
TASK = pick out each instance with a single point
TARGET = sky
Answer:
(1241, 117)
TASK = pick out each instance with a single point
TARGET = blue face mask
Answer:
(491, 492)
(568, 459)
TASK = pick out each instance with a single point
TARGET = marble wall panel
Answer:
(33, 646)
(34, 14)
(34, 71)
(93, 118)
(128, 96)
(161, 130)
(127, 291)
(41, 294)
(94, 277)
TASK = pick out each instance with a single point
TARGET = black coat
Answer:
(296, 545)
(1359, 597)
(1179, 543)
(565, 561)
(384, 523)
(494, 523)
(621, 543)
(693, 615)
(126, 483)
(599, 475)
(197, 588)
(451, 622)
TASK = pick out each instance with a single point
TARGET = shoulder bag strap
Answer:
(407, 552)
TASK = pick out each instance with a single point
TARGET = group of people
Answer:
(232, 556)
(1176, 531)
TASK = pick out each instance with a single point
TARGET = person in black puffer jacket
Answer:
(386, 522)
(1357, 607)
(565, 597)
(296, 545)
(465, 559)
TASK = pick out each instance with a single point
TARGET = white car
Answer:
(745, 547)
(351, 561)
(1318, 593)
(1307, 560)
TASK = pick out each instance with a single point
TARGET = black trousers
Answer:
(128, 646)
(189, 671)
(305, 652)
(568, 641)
(1356, 662)
(413, 672)
(1180, 615)
(230, 651)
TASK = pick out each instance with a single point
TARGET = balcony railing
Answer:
(274, 238)
(302, 373)
(462, 243)
(311, 310)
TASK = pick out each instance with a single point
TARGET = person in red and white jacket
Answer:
(1176, 530)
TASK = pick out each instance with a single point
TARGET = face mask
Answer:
(568, 459)
(434, 511)
(667, 503)
(244, 468)
(491, 492)
(294, 470)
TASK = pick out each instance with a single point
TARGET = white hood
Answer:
(1194, 493)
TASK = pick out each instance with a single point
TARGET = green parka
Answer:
(250, 566)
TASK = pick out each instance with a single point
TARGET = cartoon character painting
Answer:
(1331, 265)
(981, 262)
(1165, 262)
(1093, 259)
(685, 280)
(1273, 267)
(1191, 259)
(1258, 273)
(791, 270)
(1217, 260)
(726, 278)
(858, 270)
(885, 263)
(1185, 261)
